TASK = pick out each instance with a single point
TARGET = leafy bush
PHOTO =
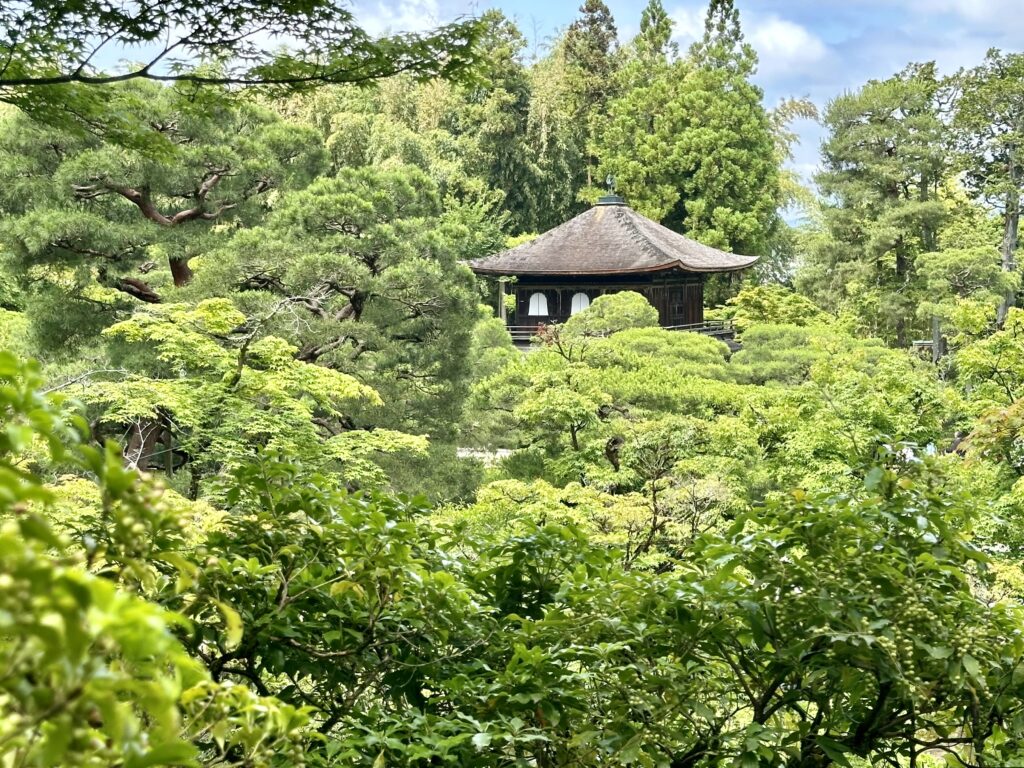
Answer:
(772, 305)
(94, 674)
(612, 312)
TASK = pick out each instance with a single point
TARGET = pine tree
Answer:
(990, 131)
(94, 228)
(368, 263)
(884, 159)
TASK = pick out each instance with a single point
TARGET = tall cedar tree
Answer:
(730, 187)
(492, 122)
(590, 46)
(689, 140)
(655, 38)
(723, 46)
(633, 141)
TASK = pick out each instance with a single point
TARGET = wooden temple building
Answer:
(606, 249)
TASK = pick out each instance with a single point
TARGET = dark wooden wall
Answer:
(679, 298)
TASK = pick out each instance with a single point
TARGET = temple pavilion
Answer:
(606, 249)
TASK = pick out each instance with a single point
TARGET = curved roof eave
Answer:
(642, 270)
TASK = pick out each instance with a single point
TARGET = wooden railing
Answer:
(707, 327)
(522, 334)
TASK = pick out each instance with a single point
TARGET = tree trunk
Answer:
(143, 440)
(902, 278)
(181, 271)
(929, 235)
(938, 340)
(1007, 251)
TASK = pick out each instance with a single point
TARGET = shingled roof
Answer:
(610, 238)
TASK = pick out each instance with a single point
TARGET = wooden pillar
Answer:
(502, 313)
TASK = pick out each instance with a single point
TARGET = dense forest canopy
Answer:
(278, 489)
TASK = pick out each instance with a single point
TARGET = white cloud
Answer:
(784, 47)
(689, 25)
(978, 15)
(972, 10)
(383, 18)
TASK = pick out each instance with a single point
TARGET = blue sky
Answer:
(810, 48)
